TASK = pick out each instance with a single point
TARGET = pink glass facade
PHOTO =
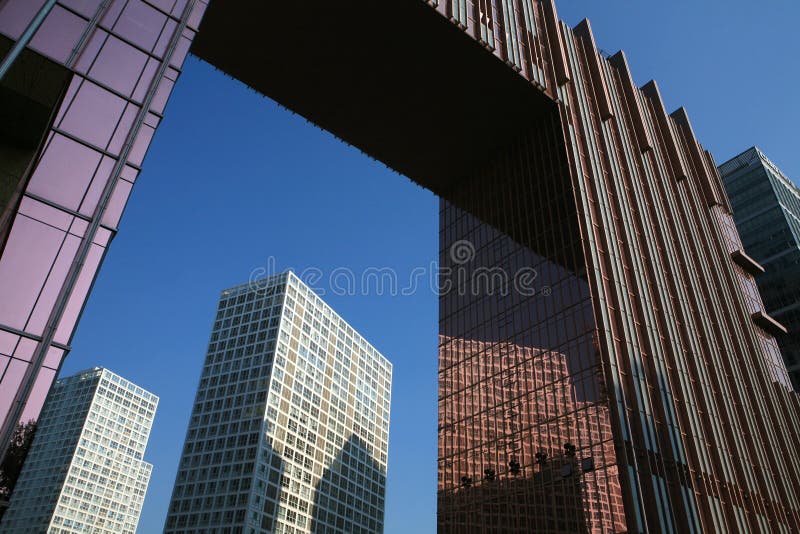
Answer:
(123, 57)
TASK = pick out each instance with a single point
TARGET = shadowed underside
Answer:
(415, 92)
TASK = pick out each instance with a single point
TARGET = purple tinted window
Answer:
(40, 390)
(162, 95)
(180, 52)
(197, 15)
(117, 203)
(78, 297)
(9, 385)
(98, 184)
(166, 37)
(52, 286)
(15, 15)
(72, 90)
(58, 34)
(140, 146)
(147, 78)
(25, 349)
(180, 5)
(90, 50)
(93, 115)
(44, 213)
(164, 5)
(7, 343)
(102, 237)
(85, 7)
(129, 173)
(64, 184)
(123, 129)
(112, 13)
(31, 249)
(140, 24)
(118, 66)
(53, 358)
(78, 227)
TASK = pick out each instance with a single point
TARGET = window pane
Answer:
(64, 184)
(140, 24)
(58, 34)
(30, 251)
(93, 115)
(119, 66)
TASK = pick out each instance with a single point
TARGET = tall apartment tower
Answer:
(766, 208)
(84, 471)
(290, 427)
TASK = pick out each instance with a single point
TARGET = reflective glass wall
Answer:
(525, 437)
(100, 73)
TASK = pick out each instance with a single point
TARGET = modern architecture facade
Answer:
(546, 155)
(84, 84)
(766, 208)
(289, 432)
(84, 471)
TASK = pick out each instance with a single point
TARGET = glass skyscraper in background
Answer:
(290, 427)
(766, 208)
(639, 388)
(84, 471)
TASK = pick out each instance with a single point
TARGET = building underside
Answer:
(641, 370)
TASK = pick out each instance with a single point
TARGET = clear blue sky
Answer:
(232, 179)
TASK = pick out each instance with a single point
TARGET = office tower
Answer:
(548, 157)
(84, 471)
(290, 427)
(766, 208)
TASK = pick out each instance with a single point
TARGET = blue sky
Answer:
(233, 180)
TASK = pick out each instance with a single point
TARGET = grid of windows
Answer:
(766, 207)
(85, 470)
(289, 431)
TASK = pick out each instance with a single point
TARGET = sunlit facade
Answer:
(84, 471)
(290, 427)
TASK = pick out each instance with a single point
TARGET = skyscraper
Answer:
(84, 471)
(290, 427)
(547, 156)
(766, 208)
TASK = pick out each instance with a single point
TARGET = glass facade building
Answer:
(290, 427)
(766, 208)
(84, 471)
(84, 84)
(671, 405)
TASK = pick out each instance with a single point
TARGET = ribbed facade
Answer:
(649, 301)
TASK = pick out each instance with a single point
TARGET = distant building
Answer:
(84, 472)
(766, 208)
(290, 427)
